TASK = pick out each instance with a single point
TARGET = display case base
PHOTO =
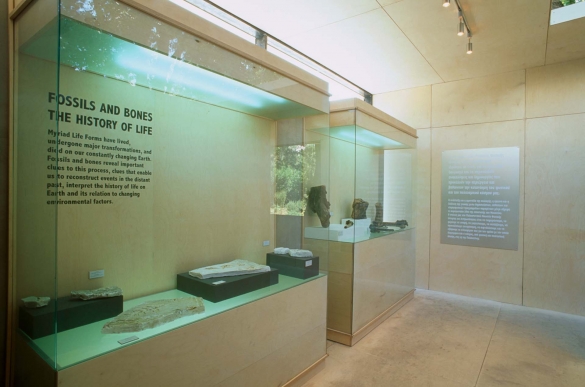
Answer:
(297, 267)
(215, 351)
(221, 288)
(71, 313)
(302, 378)
(352, 339)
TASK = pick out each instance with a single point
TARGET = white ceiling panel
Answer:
(282, 18)
(369, 50)
(387, 2)
(508, 35)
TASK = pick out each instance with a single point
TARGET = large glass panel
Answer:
(170, 154)
(371, 236)
(38, 164)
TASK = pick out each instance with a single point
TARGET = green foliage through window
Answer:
(564, 3)
(294, 167)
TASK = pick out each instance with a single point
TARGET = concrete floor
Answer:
(440, 340)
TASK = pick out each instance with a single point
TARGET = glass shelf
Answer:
(86, 342)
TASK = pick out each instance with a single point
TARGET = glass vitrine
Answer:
(371, 235)
(141, 151)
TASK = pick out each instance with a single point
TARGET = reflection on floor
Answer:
(443, 340)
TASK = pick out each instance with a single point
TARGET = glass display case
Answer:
(144, 150)
(372, 257)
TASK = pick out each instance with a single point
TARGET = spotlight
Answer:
(461, 31)
(469, 47)
(446, 3)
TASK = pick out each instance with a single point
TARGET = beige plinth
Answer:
(368, 282)
(278, 340)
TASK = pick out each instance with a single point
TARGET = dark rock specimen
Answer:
(379, 219)
(318, 204)
(360, 207)
(399, 223)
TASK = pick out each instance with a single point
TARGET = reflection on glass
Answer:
(142, 153)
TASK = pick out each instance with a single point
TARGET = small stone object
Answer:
(360, 207)
(152, 314)
(36, 302)
(399, 223)
(300, 253)
(379, 219)
(111, 291)
(236, 267)
(281, 250)
(318, 203)
(348, 223)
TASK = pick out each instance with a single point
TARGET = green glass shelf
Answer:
(81, 344)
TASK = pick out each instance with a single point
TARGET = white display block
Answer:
(338, 232)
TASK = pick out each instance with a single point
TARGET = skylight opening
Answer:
(566, 10)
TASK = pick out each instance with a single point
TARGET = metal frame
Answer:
(263, 39)
(462, 15)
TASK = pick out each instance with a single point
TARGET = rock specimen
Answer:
(318, 204)
(112, 291)
(36, 302)
(348, 224)
(359, 207)
(152, 314)
(281, 250)
(237, 267)
(379, 219)
(385, 226)
(300, 253)
(399, 223)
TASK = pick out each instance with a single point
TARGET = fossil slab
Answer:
(112, 291)
(152, 314)
(36, 302)
(237, 267)
(300, 253)
(281, 250)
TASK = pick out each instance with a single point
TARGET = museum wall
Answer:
(3, 181)
(207, 200)
(541, 111)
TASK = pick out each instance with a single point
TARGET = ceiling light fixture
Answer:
(462, 25)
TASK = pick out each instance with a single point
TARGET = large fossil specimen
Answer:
(152, 314)
(237, 267)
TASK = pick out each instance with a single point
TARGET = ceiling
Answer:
(388, 45)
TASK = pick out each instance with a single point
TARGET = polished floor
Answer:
(443, 340)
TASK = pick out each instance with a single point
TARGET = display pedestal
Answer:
(351, 339)
(277, 340)
(368, 282)
(71, 313)
(221, 288)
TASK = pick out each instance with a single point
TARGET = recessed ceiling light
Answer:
(446, 3)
